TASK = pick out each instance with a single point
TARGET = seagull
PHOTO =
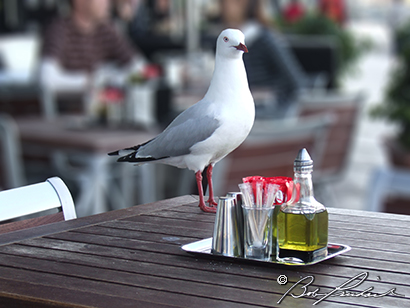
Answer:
(212, 128)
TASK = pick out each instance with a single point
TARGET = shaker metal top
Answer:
(303, 162)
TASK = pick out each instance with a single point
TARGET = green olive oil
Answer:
(302, 236)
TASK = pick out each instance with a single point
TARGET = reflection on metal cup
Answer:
(239, 213)
(226, 238)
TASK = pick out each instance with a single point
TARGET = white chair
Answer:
(36, 198)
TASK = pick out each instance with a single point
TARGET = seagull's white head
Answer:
(231, 44)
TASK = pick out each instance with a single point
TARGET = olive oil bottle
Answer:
(302, 222)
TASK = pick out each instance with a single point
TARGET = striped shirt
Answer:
(78, 51)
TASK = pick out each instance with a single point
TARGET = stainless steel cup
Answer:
(226, 239)
(239, 213)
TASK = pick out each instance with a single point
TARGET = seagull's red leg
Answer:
(202, 205)
(211, 199)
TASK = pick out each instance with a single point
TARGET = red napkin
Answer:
(285, 186)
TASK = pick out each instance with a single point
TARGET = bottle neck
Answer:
(303, 200)
(305, 186)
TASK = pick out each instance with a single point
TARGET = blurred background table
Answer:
(79, 152)
(132, 258)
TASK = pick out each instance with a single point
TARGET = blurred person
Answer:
(293, 11)
(269, 63)
(153, 29)
(75, 47)
(126, 8)
(334, 10)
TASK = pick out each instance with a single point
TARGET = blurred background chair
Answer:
(19, 54)
(346, 110)
(36, 198)
(388, 182)
(11, 167)
(18, 87)
(271, 149)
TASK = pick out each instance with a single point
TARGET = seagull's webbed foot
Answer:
(212, 202)
(207, 209)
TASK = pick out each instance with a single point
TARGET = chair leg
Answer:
(376, 190)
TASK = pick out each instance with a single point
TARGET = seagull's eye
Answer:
(226, 39)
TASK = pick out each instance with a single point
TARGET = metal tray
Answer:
(203, 248)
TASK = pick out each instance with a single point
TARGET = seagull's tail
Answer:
(133, 157)
(115, 153)
(127, 151)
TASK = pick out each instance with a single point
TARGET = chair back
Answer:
(270, 150)
(36, 198)
(346, 110)
(20, 55)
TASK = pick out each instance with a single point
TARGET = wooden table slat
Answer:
(124, 290)
(15, 293)
(95, 219)
(123, 259)
(171, 249)
(152, 282)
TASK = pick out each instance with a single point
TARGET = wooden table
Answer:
(132, 258)
(68, 139)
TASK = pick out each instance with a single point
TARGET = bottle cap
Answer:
(303, 162)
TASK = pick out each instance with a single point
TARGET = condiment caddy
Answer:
(273, 220)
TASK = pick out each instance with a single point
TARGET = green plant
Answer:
(401, 38)
(350, 47)
(396, 105)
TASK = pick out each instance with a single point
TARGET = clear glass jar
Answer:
(302, 222)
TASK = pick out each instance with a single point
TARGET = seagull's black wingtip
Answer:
(127, 158)
(115, 153)
(131, 158)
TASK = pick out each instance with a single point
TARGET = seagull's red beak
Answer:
(242, 47)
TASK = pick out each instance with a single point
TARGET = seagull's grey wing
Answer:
(190, 127)
(178, 140)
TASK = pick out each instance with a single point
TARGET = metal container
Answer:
(226, 238)
(239, 212)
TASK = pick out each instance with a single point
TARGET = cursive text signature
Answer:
(344, 290)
